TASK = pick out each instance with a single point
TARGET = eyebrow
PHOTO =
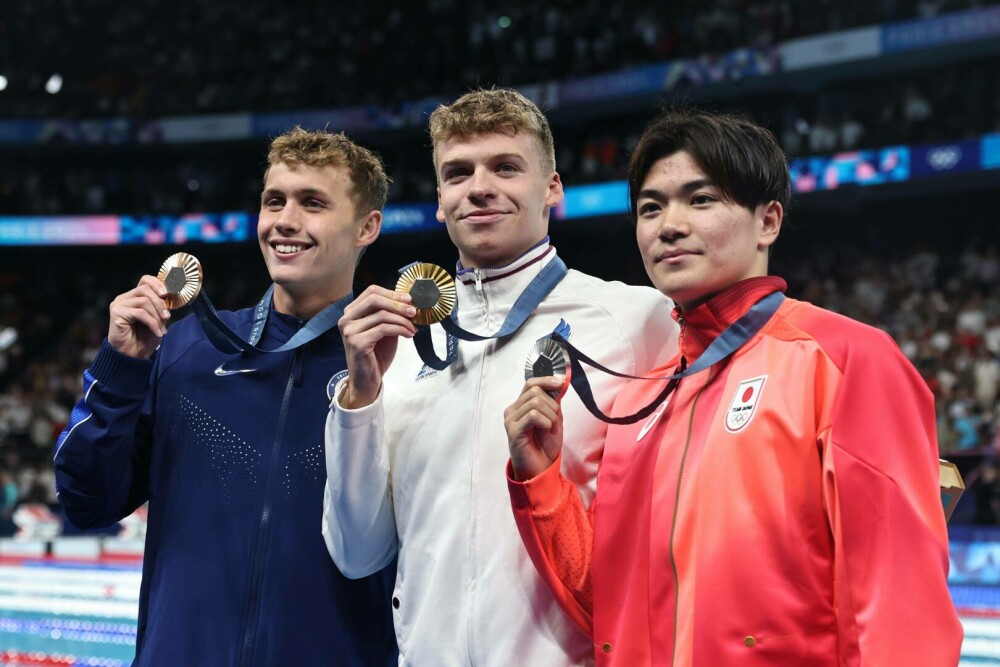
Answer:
(491, 158)
(687, 188)
(305, 192)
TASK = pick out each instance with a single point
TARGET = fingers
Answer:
(138, 318)
(520, 425)
(547, 384)
(366, 331)
(377, 313)
(534, 399)
(534, 408)
(143, 304)
(378, 299)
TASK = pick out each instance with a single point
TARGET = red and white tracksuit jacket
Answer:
(782, 508)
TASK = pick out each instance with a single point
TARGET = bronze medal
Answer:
(548, 358)
(181, 274)
(432, 291)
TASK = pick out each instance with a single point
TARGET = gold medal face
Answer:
(181, 274)
(432, 291)
(547, 358)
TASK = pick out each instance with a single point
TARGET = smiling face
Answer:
(311, 235)
(695, 243)
(494, 195)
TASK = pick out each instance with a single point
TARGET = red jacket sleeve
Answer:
(558, 534)
(881, 489)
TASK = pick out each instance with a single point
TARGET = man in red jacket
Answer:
(781, 505)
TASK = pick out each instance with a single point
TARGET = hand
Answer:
(371, 327)
(138, 319)
(534, 427)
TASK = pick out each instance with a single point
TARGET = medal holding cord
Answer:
(182, 276)
(728, 342)
(434, 289)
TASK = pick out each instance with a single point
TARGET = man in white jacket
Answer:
(415, 457)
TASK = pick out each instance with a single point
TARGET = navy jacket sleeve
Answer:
(102, 457)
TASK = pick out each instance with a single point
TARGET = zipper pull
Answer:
(680, 339)
(479, 283)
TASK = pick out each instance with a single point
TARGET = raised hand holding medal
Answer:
(138, 317)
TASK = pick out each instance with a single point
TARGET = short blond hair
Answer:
(494, 110)
(320, 148)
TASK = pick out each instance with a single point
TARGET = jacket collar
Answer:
(496, 288)
(701, 325)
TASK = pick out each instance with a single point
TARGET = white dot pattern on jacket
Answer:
(234, 461)
(305, 469)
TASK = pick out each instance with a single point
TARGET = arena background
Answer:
(128, 133)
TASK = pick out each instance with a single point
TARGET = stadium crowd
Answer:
(306, 55)
(931, 105)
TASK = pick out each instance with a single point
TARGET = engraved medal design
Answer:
(548, 358)
(181, 274)
(432, 290)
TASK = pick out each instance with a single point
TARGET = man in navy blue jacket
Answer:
(228, 448)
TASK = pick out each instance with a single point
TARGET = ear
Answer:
(555, 193)
(440, 212)
(369, 229)
(769, 216)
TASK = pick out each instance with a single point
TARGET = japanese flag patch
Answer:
(744, 405)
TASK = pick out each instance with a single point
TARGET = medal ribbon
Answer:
(728, 342)
(526, 303)
(229, 342)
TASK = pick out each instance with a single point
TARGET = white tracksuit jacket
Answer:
(421, 472)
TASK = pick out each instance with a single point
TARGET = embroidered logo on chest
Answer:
(744, 404)
(425, 372)
(332, 384)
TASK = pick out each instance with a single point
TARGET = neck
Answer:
(467, 262)
(304, 306)
(712, 315)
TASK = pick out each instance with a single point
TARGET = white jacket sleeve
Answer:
(358, 522)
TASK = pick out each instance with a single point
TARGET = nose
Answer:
(288, 221)
(481, 185)
(673, 224)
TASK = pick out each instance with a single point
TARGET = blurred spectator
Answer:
(8, 502)
(986, 379)
(988, 494)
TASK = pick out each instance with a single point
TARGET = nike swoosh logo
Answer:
(223, 372)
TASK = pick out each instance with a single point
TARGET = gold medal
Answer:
(432, 290)
(181, 274)
(548, 358)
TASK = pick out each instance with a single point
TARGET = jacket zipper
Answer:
(474, 527)
(481, 293)
(677, 502)
(253, 602)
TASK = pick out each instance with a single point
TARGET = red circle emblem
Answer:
(747, 394)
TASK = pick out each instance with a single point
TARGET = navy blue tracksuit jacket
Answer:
(232, 463)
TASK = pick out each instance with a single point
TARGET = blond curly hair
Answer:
(493, 110)
(319, 148)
